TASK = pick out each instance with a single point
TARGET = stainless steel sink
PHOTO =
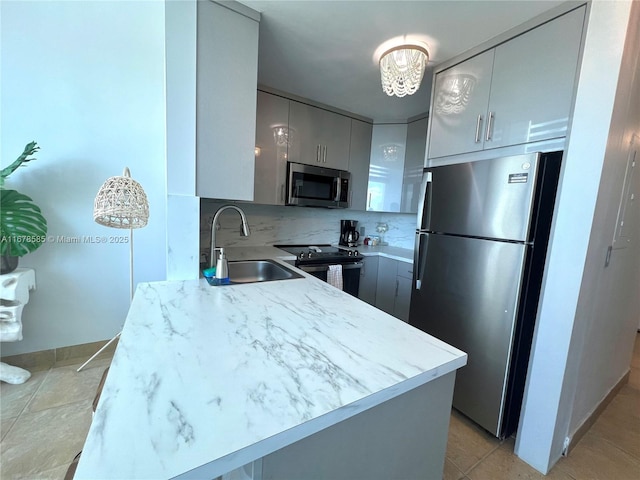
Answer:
(251, 271)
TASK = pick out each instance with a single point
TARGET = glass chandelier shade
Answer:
(121, 203)
(402, 69)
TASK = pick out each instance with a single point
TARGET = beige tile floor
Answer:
(44, 423)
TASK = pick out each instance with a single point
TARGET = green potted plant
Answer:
(22, 227)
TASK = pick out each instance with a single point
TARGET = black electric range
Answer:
(316, 260)
(323, 254)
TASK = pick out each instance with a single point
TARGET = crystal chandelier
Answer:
(402, 69)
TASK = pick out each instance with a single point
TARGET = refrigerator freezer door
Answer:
(488, 198)
(468, 298)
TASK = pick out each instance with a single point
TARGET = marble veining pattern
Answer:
(202, 373)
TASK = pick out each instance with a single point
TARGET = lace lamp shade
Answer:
(121, 203)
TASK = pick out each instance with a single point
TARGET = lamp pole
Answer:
(121, 202)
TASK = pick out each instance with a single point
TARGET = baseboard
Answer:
(591, 419)
(45, 359)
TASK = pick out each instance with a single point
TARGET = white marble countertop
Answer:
(206, 379)
(252, 253)
(397, 253)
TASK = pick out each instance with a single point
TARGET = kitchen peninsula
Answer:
(295, 376)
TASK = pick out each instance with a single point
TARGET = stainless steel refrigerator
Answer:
(481, 243)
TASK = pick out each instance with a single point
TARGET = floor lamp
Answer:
(121, 203)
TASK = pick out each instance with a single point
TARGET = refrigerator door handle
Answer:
(417, 264)
(424, 201)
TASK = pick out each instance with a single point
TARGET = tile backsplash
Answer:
(272, 224)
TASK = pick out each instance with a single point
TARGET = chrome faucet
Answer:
(245, 232)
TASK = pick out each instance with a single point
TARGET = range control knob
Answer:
(301, 255)
(356, 253)
(349, 253)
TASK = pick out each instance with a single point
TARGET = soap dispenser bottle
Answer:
(222, 269)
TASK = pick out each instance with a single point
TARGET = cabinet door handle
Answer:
(397, 286)
(318, 153)
(489, 127)
(282, 193)
(478, 127)
(369, 205)
(324, 154)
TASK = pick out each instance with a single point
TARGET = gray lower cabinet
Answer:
(368, 280)
(226, 104)
(403, 291)
(386, 287)
(405, 437)
(393, 288)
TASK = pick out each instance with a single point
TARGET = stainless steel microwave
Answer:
(311, 186)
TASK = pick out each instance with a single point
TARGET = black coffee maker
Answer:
(349, 234)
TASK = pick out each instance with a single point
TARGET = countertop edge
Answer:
(396, 253)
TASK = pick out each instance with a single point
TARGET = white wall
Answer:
(86, 81)
(610, 295)
(183, 207)
(569, 330)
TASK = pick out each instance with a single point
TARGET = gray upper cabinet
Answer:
(272, 125)
(460, 99)
(359, 153)
(386, 169)
(413, 164)
(395, 171)
(318, 137)
(226, 103)
(519, 92)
